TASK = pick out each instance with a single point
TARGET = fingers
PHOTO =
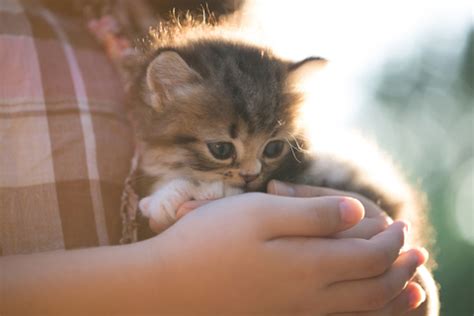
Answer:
(414, 294)
(375, 293)
(367, 228)
(375, 219)
(349, 259)
(300, 190)
(410, 298)
(290, 217)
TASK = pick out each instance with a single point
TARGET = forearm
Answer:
(96, 281)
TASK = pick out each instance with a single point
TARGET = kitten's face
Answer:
(217, 111)
(235, 155)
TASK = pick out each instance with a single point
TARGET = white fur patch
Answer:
(163, 204)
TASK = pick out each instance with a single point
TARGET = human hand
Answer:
(264, 254)
(375, 220)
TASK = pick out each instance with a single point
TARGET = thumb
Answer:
(308, 217)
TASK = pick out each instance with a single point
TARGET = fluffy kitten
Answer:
(218, 117)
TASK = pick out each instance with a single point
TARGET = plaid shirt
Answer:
(65, 142)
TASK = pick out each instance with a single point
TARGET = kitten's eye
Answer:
(221, 150)
(273, 149)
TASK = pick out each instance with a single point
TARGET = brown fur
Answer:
(194, 87)
(197, 87)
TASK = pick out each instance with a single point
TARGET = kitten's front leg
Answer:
(163, 204)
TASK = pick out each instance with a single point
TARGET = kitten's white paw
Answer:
(162, 205)
(144, 206)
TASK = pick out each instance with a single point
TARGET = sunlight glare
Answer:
(355, 36)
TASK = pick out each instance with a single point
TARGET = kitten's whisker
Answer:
(301, 136)
(298, 147)
(292, 150)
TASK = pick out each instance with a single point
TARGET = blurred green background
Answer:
(422, 112)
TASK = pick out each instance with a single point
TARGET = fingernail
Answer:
(281, 188)
(347, 208)
(424, 257)
(415, 300)
(420, 255)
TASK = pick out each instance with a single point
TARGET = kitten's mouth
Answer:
(253, 186)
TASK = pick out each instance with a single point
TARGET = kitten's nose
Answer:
(249, 177)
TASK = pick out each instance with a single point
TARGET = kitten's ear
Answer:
(168, 75)
(307, 66)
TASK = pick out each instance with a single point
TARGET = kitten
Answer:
(219, 117)
(216, 117)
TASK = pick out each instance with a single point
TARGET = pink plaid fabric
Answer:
(65, 142)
